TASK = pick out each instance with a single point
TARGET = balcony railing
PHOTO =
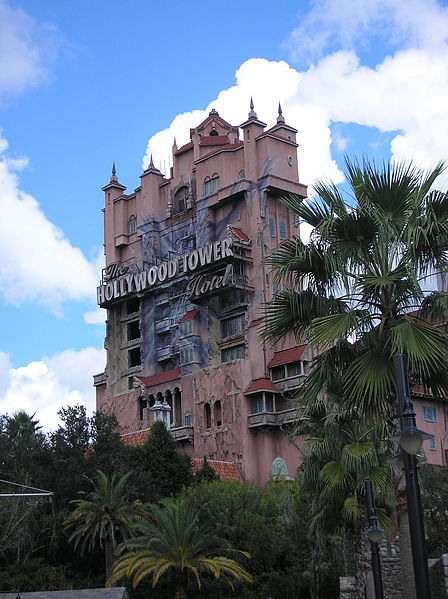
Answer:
(163, 326)
(182, 433)
(291, 383)
(272, 419)
(166, 352)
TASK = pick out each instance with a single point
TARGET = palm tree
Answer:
(172, 540)
(358, 291)
(104, 517)
(339, 453)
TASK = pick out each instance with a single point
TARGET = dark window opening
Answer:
(134, 358)
(233, 353)
(130, 382)
(218, 413)
(132, 305)
(142, 406)
(269, 399)
(133, 330)
(207, 416)
(257, 404)
(233, 326)
(232, 298)
(180, 199)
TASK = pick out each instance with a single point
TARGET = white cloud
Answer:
(350, 24)
(97, 316)
(44, 387)
(405, 94)
(27, 47)
(37, 261)
(5, 367)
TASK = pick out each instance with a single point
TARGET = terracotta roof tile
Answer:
(239, 233)
(258, 385)
(135, 438)
(160, 377)
(286, 356)
(214, 140)
(189, 315)
(225, 470)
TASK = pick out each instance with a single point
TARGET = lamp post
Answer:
(375, 534)
(411, 439)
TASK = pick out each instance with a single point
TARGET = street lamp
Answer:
(375, 534)
(411, 439)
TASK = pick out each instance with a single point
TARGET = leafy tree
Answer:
(104, 516)
(206, 473)
(160, 470)
(434, 485)
(172, 541)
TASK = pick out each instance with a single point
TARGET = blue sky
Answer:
(84, 84)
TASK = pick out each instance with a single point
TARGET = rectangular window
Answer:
(429, 414)
(133, 330)
(233, 353)
(132, 305)
(278, 373)
(233, 326)
(186, 355)
(272, 226)
(269, 402)
(134, 358)
(186, 328)
(257, 404)
(432, 442)
(187, 419)
(282, 228)
(231, 298)
(132, 225)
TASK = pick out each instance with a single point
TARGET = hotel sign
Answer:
(119, 282)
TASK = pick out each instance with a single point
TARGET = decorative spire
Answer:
(151, 163)
(114, 178)
(252, 113)
(151, 168)
(175, 144)
(169, 208)
(280, 118)
(190, 198)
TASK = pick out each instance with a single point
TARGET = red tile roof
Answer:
(225, 470)
(214, 140)
(286, 356)
(258, 385)
(189, 315)
(239, 233)
(160, 377)
(136, 438)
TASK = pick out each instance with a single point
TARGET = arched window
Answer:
(217, 413)
(180, 199)
(207, 186)
(215, 182)
(132, 225)
(207, 416)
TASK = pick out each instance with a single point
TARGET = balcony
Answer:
(163, 299)
(164, 326)
(166, 352)
(132, 343)
(99, 379)
(182, 433)
(290, 384)
(266, 420)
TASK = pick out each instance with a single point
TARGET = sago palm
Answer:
(359, 289)
(172, 541)
(104, 517)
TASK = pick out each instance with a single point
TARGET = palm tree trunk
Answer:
(110, 558)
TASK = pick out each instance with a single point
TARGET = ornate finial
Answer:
(114, 178)
(169, 208)
(212, 111)
(175, 143)
(280, 118)
(252, 113)
(151, 163)
(190, 198)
